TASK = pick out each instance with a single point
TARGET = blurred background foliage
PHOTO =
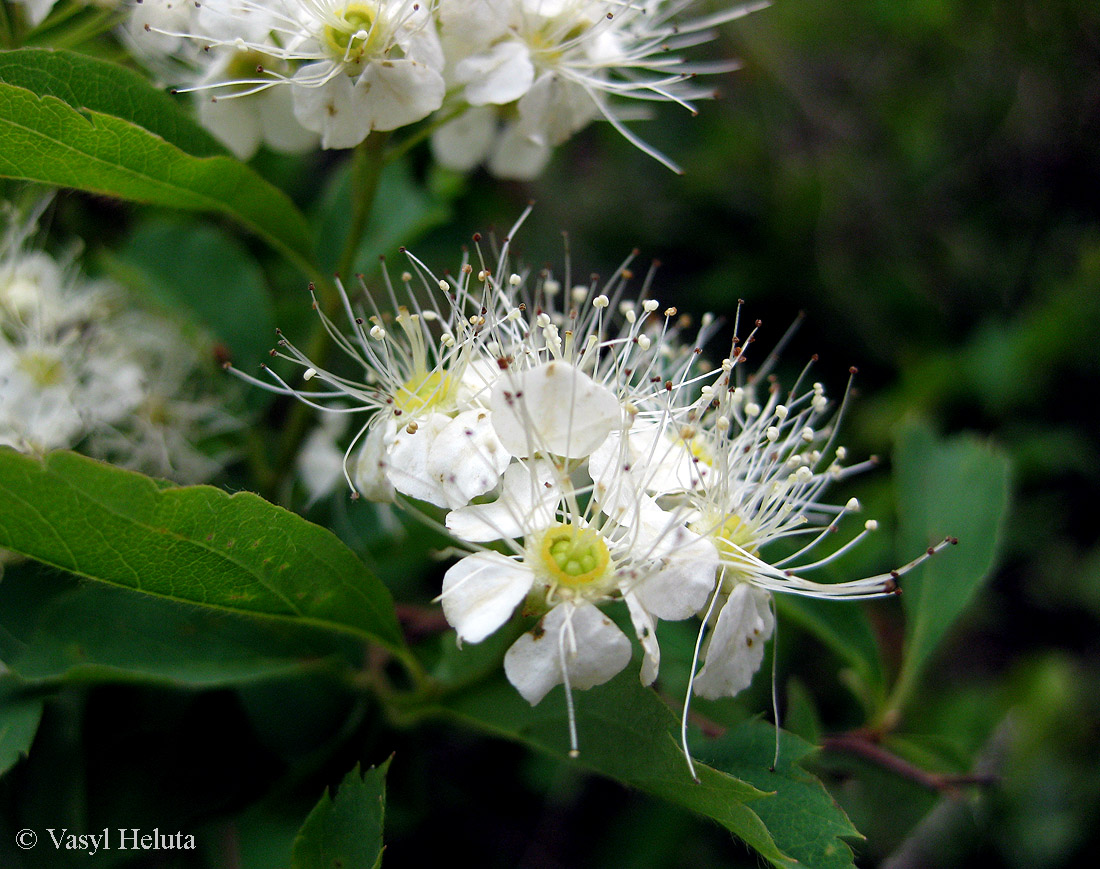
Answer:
(922, 178)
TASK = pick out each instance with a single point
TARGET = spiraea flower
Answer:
(565, 560)
(80, 368)
(350, 67)
(588, 457)
(532, 73)
(426, 372)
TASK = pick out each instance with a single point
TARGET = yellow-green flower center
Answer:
(422, 392)
(547, 42)
(44, 370)
(574, 556)
(733, 537)
(245, 67)
(357, 35)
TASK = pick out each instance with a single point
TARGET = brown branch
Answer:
(866, 747)
(421, 621)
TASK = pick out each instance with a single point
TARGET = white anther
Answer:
(781, 411)
(650, 305)
(644, 342)
(377, 332)
(309, 374)
(871, 525)
(752, 408)
(514, 280)
(601, 301)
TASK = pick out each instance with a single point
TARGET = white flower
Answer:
(245, 122)
(77, 369)
(351, 67)
(558, 65)
(428, 373)
(564, 564)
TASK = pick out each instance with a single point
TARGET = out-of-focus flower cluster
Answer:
(503, 82)
(82, 367)
(585, 454)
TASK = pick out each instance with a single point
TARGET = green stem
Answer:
(366, 170)
(422, 133)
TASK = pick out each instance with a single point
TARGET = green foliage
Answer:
(107, 88)
(193, 544)
(199, 269)
(345, 831)
(20, 712)
(64, 632)
(625, 732)
(804, 820)
(409, 212)
(957, 488)
(45, 139)
(845, 628)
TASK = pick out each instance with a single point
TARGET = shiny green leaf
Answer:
(194, 544)
(344, 831)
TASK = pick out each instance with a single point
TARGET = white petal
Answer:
(407, 460)
(519, 154)
(685, 578)
(395, 93)
(529, 492)
(555, 108)
(645, 629)
(552, 409)
(467, 458)
(481, 591)
(737, 644)
(320, 463)
(281, 130)
(234, 122)
(500, 75)
(464, 142)
(594, 651)
(333, 109)
(370, 478)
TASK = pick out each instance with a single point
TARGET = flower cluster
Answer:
(505, 81)
(78, 367)
(585, 456)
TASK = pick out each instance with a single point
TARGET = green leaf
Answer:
(626, 733)
(43, 138)
(959, 488)
(804, 820)
(193, 544)
(91, 632)
(199, 268)
(20, 713)
(89, 83)
(345, 831)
